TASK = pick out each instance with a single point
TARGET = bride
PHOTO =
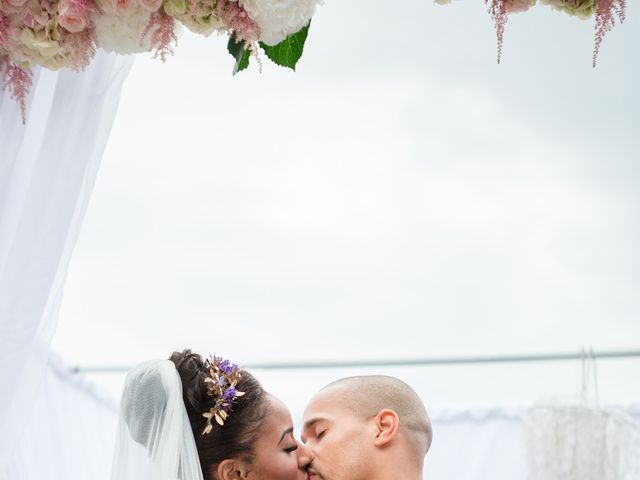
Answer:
(189, 418)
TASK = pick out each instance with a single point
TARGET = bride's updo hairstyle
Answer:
(234, 439)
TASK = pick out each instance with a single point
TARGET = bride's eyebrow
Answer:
(285, 433)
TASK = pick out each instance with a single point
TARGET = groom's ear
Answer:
(387, 423)
(231, 469)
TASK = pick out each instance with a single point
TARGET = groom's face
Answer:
(337, 439)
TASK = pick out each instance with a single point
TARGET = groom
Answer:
(366, 428)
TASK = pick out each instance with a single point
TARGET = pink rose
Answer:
(123, 8)
(151, 5)
(72, 22)
(12, 6)
(72, 16)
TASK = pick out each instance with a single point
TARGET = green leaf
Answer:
(287, 52)
(239, 52)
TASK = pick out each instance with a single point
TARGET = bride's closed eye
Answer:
(291, 449)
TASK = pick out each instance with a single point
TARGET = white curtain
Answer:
(483, 444)
(70, 434)
(47, 171)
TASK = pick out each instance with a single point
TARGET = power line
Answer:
(473, 360)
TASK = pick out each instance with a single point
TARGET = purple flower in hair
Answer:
(229, 394)
(221, 384)
(226, 367)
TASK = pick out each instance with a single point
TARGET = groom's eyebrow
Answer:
(308, 424)
(312, 422)
(285, 433)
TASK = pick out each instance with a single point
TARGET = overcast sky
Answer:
(400, 195)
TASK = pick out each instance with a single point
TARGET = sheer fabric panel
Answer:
(47, 171)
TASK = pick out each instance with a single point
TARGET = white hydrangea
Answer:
(204, 22)
(278, 19)
(122, 34)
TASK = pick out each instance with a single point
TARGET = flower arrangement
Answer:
(221, 384)
(604, 11)
(57, 34)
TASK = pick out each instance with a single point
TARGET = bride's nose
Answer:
(305, 457)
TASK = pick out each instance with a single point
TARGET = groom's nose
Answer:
(305, 456)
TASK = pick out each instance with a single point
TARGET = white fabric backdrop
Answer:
(47, 171)
(477, 445)
(70, 435)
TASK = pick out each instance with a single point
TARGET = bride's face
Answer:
(278, 455)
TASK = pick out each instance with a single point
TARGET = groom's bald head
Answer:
(365, 396)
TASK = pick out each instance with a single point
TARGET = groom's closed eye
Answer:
(314, 426)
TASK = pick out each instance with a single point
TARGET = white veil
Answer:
(154, 440)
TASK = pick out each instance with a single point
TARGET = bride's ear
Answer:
(232, 469)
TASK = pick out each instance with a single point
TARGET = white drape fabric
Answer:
(477, 444)
(155, 440)
(47, 170)
(70, 434)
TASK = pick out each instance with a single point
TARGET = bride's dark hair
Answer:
(236, 438)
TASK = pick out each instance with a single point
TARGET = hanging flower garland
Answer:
(604, 11)
(57, 34)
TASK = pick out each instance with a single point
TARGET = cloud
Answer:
(400, 195)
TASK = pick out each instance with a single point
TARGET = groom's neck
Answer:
(399, 469)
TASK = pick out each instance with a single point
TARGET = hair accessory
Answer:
(221, 384)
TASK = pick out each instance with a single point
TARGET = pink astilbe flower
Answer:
(238, 21)
(18, 81)
(5, 27)
(606, 11)
(161, 28)
(498, 12)
(79, 50)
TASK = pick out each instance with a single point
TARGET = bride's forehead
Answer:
(277, 408)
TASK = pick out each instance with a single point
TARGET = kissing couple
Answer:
(195, 418)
